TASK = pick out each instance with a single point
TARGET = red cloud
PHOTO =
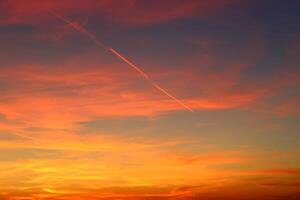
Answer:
(59, 96)
(129, 12)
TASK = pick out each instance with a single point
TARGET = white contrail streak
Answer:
(93, 38)
(142, 73)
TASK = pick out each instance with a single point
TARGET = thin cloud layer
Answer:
(130, 12)
(77, 123)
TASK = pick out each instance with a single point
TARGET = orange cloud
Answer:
(279, 171)
(288, 107)
(64, 95)
(124, 171)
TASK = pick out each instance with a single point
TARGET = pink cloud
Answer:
(130, 12)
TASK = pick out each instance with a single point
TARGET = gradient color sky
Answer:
(78, 123)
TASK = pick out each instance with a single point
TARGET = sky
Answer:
(78, 121)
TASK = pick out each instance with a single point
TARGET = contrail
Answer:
(94, 39)
(148, 78)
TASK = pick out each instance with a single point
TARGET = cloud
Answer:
(290, 107)
(280, 171)
(130, 12)
(63, 94)
(217, 158)
(124, 170)
(102, 166)
(61, 97)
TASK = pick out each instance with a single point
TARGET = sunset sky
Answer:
(216, 116)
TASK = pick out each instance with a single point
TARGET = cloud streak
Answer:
(129, 12)
(86, 33)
